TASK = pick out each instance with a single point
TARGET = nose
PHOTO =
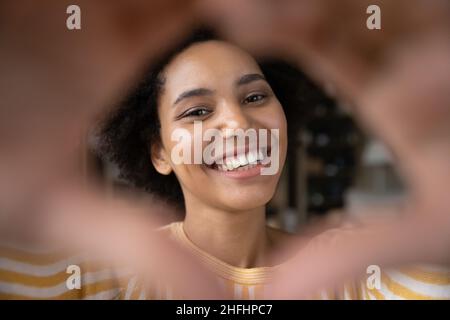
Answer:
(233, 117)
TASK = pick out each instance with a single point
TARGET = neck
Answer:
(238, 238)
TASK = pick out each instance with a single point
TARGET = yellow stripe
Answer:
(364, 292)
(378, 295)
(135, 294)
(33, 258)
(41, 281)
(28, 280)
(85, 291)
(402, 291)
(438, 278)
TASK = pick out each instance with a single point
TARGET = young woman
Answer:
(218, 84)
(223, 87)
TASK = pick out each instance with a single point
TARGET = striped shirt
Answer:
(30, 273)
(35, 274)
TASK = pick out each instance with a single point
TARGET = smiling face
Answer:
(221, 86)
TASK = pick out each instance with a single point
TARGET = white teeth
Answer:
(260, 155)
(252, 157)
(235, 162)
(263, 157)
(230, 167)
(242, 160)
(229, 164)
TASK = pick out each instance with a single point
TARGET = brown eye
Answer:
(196, 112)
(254, 98)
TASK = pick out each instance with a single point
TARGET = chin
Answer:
(244, 202)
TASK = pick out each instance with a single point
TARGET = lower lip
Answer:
(242, 174)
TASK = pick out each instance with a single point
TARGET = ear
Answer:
(159, 158)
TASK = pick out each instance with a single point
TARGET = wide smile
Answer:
(241, 166)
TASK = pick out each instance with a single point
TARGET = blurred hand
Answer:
(123, 232)
(328, 39)
(55, 81)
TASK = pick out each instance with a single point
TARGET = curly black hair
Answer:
(128, 132)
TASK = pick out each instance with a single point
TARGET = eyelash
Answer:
(191, 112)
(261, 95)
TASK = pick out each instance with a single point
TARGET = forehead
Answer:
(208, 64)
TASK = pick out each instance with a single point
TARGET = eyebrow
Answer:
(193, 93)
(245, 79)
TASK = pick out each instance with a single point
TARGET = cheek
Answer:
(279, 120)
(274, 118)
(179, 147)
